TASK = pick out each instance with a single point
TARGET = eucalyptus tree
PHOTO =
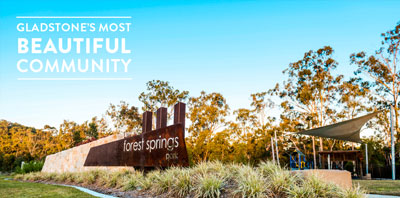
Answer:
(309, 93)
(103, 129)
(354, 98)
(381, 71)
(126, 118)
(161, 94)
(263, 124)
(244, 130)
(67, 137)
(260, 106)
(207, 115)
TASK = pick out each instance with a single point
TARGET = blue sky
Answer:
(232, 47)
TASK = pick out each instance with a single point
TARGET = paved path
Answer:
(380, 196)
(91, 192)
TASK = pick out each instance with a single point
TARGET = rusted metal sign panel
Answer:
(162, 147)
(159, 148)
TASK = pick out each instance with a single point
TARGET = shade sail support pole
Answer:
(276, 149)
(273, 151)
(329, 162)
(366, 159)
(315, 156)
(392, 142)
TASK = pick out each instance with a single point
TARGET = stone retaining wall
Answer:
(339, 177)
(72, 160)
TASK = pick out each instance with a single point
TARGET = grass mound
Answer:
(209, 179)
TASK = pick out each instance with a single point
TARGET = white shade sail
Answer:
(348, 130)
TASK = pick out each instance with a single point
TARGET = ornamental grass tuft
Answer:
(206, 179)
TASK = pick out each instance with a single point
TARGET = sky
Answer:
(232, 47)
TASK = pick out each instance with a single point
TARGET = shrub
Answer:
(349, 166)
(32, 166)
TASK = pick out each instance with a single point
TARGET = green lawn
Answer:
(24, 189)
(383, 187)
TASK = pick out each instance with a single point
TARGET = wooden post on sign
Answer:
(179, 114)
(161, 119)
(147, 123)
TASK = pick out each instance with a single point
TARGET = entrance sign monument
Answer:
(163, 147)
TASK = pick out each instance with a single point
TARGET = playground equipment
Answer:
(348, 130)
(298, 161)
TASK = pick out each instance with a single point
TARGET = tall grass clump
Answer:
(208, 186)
(48, 176)
(115, 179)
(63, 177)
(131, 181)
(32, 176)
(300, 192)
(147, 182)
(164, 180)
(123, 176)
(320, 188)
(268, 168)
(90, 176)
(77, 178)
(250, 183)
(111, 179)
(313, 186)
(355, 192)
(183, 184)
(214, 167)
(19, 177)
(279, 179)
